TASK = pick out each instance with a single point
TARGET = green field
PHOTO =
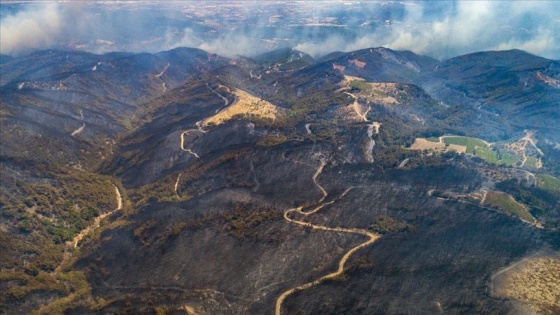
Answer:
(509, 159)
(470, 143)
(507, 204)
(548, 182)
(487, 155)
(361, 85)
(531, 162)
(479, 148)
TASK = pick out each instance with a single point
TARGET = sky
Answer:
(440, 29)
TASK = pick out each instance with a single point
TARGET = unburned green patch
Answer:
(509, 159)
(547, 182)
(384, 224)
(506, 203)
(487, 155)
(471, 143)
(361, 85)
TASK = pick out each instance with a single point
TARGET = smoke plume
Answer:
(441, 29)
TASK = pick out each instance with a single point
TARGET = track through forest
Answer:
(199, 126)
(97, 220)
(96, 223)
(372, 237)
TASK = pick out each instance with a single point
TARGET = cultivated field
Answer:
(471, 144)
(548, 182)
(375, 92)
(478, 147)
(506, 203)
(423, 144)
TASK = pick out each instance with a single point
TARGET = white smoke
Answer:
(465, 27)
(478, 25)
(456, 27)
(39, 26)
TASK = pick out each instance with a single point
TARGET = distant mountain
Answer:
(381, 64)
(523, 88)
(285, 59)
(5, 58)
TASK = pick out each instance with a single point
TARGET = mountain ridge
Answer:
(216, 158)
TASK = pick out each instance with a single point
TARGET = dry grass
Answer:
(457, 148)
(349, 78)
(245, 104)
(423, 144)
(340, 68)
(381, 93)
(384, 93)
(357, 63)
(548, 80)
(534, 280)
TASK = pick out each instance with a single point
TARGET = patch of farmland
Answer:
(532, 162)
(471, 143)
(508, 204)
(548, 182)
(423, 144)
(487, 155)
(457, 148)
(509, 159)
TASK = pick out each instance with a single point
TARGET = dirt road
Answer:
(177, 184)
(186, 132)
(159, 77)
(372, 237)
(77, 131)
(97, 220)
(96, 223)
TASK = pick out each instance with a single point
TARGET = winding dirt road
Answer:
(186, 132)
(226, 102)
(159, 77)
(372, 237)
(529, 138)
(373, 126)
(356, 107)
(177, 184)
(77, 131)
(199, 126)
(97, 221)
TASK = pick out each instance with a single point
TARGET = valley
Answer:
(373, 181)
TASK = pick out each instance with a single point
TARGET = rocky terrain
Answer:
(185, 182)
